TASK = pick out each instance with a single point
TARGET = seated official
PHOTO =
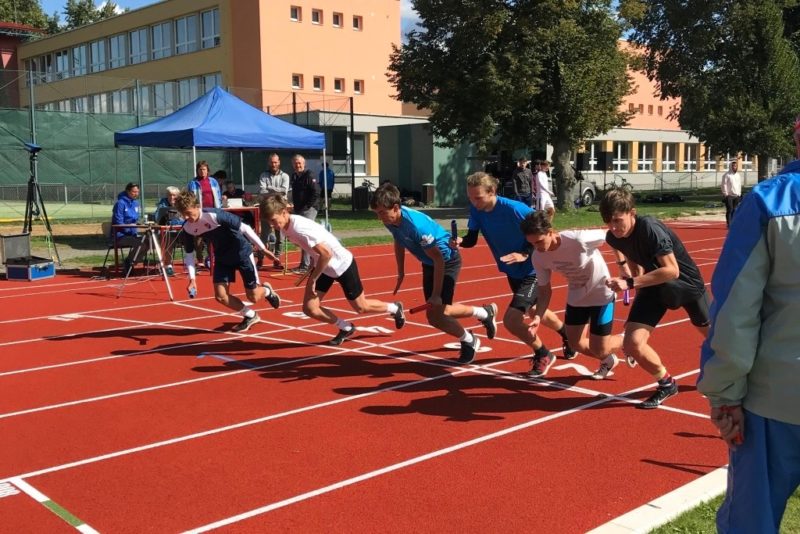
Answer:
(167, 214)
(126, 211)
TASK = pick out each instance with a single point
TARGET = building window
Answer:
(641, 109)
(689, 157)
(359, 155)
(338, 85)
(186, 34)
(211, 81)
(650, 109)
(120, 101)
(660, 110)
(358, 87)
(162, 40)
(62, 64)
(316, 16)
(336, 20)
(46, 68)
(295, 13)
(646, 154)
(631, 107)
(746, 164)
(116, 51)
(79, 60)
(188, 91)
(620, 161)
(593, 150)
(145, 101)
(319, 83)
(137, 45)
(668, 153)
(98, 103)
(163, 99)
(710, 163)
(358, 23)
(210, 29)
(297, 81)
(80, 104)
(98, 51)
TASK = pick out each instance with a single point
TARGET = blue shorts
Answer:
(763, 473)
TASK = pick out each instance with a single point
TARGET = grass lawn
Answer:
(701, 520)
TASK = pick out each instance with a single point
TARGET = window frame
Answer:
(212, 38)
(358, 23)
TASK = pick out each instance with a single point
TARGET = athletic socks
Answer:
(344, 325)
(480, 313)
(665, 380)
(247, 311)
(391, 308)
(467, 337)
(563, 332)
(541, 352)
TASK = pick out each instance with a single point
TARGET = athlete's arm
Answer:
(325, 255)
(251, 236)
(400, 259)
(469, 240)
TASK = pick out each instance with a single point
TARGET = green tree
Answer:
(515, 74)
(734, 66)
(81, 12)
(23, 12)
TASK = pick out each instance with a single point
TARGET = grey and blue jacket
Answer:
(752, 354)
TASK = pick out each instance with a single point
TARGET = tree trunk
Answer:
(563, 175)
(763, 168)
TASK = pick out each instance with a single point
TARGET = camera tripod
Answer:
(148, 243)
(34, 204)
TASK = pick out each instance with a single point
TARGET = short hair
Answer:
(536, 223)
(272, 204)
(186, 199)
(616, 200)
(201, 163)
(172, 190)
(221, 175)
(130, 186)
(273, 155)
(386, 196)
(298, 156)
(482, 179)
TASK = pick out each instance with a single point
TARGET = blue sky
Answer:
(50, 6)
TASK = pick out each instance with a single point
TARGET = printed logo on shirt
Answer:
(427, 239)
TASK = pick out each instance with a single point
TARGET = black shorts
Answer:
(599, 318)
(649, 308)
(451, 270)
(226, 274)
(349, 280)
(524, 292)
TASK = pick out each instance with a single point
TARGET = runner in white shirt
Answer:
(576, 255)
(331, 261)
(541, 190)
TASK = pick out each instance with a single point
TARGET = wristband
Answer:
(629, 281)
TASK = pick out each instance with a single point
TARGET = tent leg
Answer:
(241, 165)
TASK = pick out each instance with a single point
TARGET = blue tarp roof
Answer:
(220, 120)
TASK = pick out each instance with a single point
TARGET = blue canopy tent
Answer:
(219, 120)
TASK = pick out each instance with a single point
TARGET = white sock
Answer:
(479, 313)
(247, 311)
(344, 325)
(267, 290)
(467, 337)
(391, 308)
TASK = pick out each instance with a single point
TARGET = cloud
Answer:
(408, 17)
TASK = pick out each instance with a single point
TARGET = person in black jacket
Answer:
(305, 198)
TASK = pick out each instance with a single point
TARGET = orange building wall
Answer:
(646, 103)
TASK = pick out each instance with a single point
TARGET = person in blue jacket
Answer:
(328, 178)
(126, 210)
(750, 361)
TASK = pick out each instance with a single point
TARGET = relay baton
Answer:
(454, 229)
(421, 307)
(626, 297)
(738, 439)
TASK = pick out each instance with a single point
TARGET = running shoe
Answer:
(605, 367)
(661, 394)
(569, 353)
(170, 270)
(246, 323)
(273, 298)
(399, 316)
(342, 335)
(630, 360)
(468, 350)
(541, 365)
(490, 323)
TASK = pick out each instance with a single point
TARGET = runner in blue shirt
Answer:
(498, 219)
(428, 242)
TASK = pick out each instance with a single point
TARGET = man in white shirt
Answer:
(731, 191)
(543, 196)
(576, 255)
(273, 180)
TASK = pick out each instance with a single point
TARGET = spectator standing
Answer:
(328, 178)
(751, 359)
(731, 191)
(272, 181)
(522, 180)
(305, 198)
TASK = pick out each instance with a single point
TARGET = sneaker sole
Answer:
(248, 326)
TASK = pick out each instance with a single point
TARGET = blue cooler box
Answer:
(30, 268)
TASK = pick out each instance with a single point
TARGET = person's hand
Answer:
(191, 288)
(454, 242)
(533, 326)
(514, 257)
(617, 284)
(729, 420)
(400, 277)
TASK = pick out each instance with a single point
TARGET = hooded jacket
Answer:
(125, 211)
